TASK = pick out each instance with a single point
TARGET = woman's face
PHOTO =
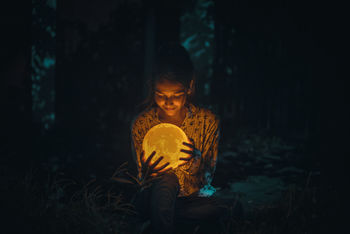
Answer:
(170, 97)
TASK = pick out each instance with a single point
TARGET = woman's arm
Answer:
(136, 144)
(210, 149)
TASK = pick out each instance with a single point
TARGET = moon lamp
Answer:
(166, 139)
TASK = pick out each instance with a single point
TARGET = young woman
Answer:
(176, 196)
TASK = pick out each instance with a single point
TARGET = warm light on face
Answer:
(166, 139)
(170, 97)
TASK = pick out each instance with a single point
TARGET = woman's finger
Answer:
(185, 159)
(161, 168)
(155, 163)
(150, 157)
(160, 173)
(142, 156)
(189, 145)
(184, 162)
(187, 151)
(163, 171)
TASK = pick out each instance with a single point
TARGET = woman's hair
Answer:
(172, 63)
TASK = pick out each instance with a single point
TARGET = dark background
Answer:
(287, 83)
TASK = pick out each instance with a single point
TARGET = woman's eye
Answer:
(178, 96)
(174, 97)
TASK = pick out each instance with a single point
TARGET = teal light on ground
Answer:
(260, 189)
(207, 191)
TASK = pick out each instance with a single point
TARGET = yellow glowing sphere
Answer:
(166, 139)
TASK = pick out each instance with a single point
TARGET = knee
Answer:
(169, 179)
(167, 183)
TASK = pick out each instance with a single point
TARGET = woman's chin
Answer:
(170, 113)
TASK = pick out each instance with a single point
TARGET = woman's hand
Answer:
(151, 169)
(192, 153)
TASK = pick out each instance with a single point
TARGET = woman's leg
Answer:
(162, 203)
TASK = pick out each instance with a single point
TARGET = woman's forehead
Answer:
(166, 86)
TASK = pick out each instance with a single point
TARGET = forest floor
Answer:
(275, 180)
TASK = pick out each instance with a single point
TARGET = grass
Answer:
(64, 206)
(48, 201)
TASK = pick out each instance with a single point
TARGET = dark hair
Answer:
(172, 63)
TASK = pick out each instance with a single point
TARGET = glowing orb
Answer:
(166, 139)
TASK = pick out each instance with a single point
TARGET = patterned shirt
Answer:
(202, 126)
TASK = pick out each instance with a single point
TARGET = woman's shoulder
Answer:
(204, 113)
(143, 117)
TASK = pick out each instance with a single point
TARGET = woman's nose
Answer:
(168, 100)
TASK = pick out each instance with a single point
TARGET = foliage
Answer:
(140, 182)
(48, 202)
(296, 212)
(100, 74)
(63, 206)
(197, 36)
(251, 143)
(43, 61)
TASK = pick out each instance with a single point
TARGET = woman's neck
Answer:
(177, 120)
